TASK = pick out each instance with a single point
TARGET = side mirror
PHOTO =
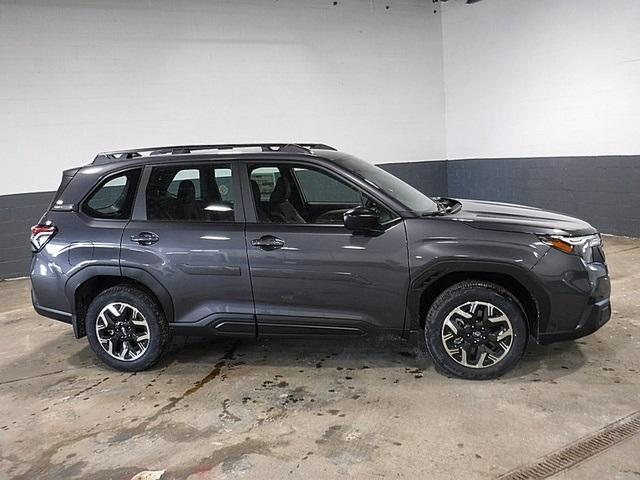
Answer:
(362, 220)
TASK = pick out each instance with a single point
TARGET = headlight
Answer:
(581, 246)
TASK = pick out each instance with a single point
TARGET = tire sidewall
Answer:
(453, 298)
(152, 315)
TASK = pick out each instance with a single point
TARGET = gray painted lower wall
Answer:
(428, 177)
(602, 190)
(17, 214)
(605, 191)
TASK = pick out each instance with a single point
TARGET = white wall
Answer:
(542, 78)
(81, 76)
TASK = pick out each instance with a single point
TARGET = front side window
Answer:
(194, 193)
(297, 194)
(318, 187)
(113, 199)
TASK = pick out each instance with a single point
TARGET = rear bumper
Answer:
(61, 316)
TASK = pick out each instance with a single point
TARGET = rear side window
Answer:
(113, 199)
(192, 175)
(198, 193)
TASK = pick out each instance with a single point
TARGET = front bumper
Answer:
(578, 297)
(593, 318)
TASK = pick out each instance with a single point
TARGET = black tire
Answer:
(458, 295)
(159, 332)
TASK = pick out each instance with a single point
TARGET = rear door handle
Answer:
(145, 238)
(268, 242)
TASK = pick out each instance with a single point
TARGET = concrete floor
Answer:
(310, 409)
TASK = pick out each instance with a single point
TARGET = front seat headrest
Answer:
(186, 192)
(281, 192)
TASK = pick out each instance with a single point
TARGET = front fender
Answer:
(440, 248)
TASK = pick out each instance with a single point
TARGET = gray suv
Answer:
(302, 240)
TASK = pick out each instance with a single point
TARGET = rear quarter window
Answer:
(113, 198)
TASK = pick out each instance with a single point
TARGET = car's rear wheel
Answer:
(126, 329)
(475, 330)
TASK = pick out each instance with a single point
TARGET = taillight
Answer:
(40, 235)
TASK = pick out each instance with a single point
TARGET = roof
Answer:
(187, 151)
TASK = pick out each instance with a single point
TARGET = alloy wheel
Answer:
(122, 331)
(477, 334)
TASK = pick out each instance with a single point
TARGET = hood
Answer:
(518, 218)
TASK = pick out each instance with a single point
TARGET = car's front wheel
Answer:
(127, 329)
(475, 330)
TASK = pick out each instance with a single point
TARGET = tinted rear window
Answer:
(113, 199)
(191, 193)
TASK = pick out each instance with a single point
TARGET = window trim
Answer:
(252, 218)
(100, 182)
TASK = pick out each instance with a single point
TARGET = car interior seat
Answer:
(186, 208)
(260, 212)
(280, 209)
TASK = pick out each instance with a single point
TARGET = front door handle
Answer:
(268, 242)
(145, 238)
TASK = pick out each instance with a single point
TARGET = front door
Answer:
(310, 275)
(188, 233)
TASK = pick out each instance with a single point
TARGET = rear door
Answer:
(187, 232)
(310, 275)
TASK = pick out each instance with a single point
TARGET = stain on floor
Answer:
(273, 409)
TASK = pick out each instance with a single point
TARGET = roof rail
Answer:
(108, 157)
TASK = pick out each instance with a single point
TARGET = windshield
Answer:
(411, 198)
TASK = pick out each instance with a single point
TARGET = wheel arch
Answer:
(440, 276)
(83, 287)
